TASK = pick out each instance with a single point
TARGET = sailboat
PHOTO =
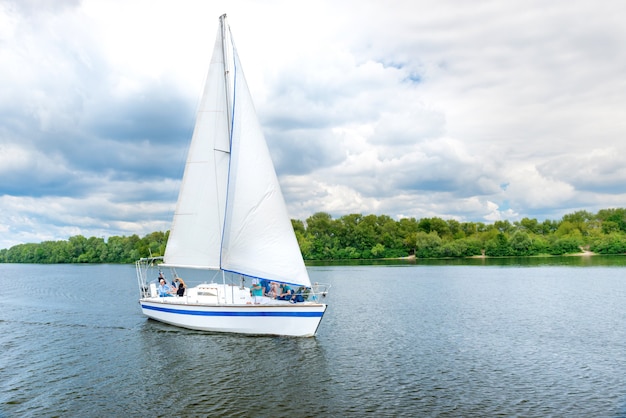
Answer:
(231, 224)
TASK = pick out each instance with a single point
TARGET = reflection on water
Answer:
(577, 260)
(526, 337)
(272, 374)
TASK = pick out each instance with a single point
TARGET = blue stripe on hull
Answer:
(221, 313)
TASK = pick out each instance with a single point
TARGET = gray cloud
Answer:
(496, 110)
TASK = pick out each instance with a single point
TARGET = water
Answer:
(401, 340)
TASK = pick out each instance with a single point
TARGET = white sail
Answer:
(259, 239)
(231, 213)
(196, 232)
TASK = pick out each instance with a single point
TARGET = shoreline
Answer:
(583, 253)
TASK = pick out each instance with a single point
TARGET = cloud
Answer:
(602, 170)
(477, 112)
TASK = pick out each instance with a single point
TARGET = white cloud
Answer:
(481, 111)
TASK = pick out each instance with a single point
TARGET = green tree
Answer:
(616, 215)
(427, 245)
(322, 231)
(498, 246)
(529, 225)
(613, 243)
(378, 251)
(567, 245)
(521, 244)
(434, 224)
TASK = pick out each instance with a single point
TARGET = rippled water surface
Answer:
(402, 340)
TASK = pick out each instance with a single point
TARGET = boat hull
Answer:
(297, 320)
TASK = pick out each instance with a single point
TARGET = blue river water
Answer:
(518, 338)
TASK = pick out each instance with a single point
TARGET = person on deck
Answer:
(256, 291)
(274, 290)
(285, 292)
(267, 288)
(301, 295)
(164, 289)
(180, 289)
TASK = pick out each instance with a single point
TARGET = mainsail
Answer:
(196, 232)
(231, 214)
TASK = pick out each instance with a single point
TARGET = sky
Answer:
(474, 111)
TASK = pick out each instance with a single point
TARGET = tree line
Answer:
(79, 249)
(358, 236)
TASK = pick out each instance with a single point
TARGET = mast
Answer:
(227, 69)
(224, 30)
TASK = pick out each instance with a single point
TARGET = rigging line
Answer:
(234, 96)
